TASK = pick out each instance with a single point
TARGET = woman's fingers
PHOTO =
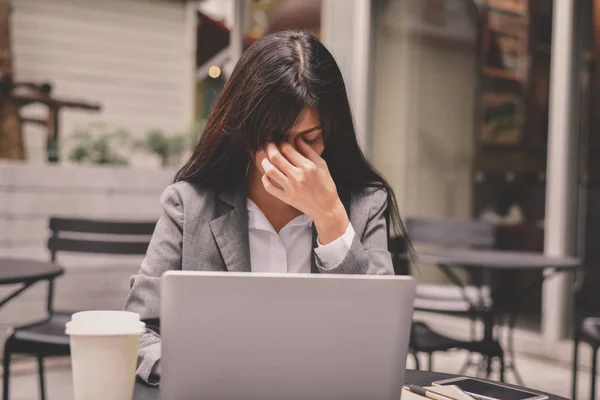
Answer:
(273, 173)
(308, 152)
(297, 159)
(271, 187)
(279, 160)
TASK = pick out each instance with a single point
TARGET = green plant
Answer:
(157, 142)
(166, 147)
(99, 144)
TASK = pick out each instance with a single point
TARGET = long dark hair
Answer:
(275, 79)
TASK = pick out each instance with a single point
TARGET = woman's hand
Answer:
(303, 181)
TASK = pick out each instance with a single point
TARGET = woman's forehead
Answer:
(307, 119)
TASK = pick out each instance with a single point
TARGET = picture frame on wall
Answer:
(505, 47)
(502, 119)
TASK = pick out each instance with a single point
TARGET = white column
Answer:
(561, 182)
(236, 39)
(346, 27)
(362, 77)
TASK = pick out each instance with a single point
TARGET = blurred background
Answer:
(101, 101)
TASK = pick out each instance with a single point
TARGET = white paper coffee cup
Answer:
(104, 346)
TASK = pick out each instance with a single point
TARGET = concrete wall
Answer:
(30, 194)
(347, 31)
(424, 110)
(131, 56)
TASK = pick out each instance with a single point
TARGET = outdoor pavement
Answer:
(538, 374)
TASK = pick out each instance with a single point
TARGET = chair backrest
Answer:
(99, 237)
(452, 232)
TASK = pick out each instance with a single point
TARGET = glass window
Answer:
(461, 115)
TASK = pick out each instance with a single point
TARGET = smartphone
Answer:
(485, 390)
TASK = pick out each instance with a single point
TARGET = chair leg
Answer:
(502, 367)
(416, 358)
(488, 367)
(575, 366)
(593, 377)
(430, 362)
(5, 373)
(40, 360)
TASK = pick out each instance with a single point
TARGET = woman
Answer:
(277, 183)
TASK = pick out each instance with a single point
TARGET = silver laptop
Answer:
(239, 336)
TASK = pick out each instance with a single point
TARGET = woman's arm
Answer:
(164, 253)
(304, 182)
(369, 253)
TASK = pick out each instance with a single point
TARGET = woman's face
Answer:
(307, 128)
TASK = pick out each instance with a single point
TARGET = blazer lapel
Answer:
(230, 230)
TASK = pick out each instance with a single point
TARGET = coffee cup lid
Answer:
(101, 323)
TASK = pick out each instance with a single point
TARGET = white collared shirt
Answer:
(290, 250)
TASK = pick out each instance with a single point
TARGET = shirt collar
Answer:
(258, 220)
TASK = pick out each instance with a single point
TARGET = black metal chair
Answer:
(47, 338)
(457, 299)
(588, 332)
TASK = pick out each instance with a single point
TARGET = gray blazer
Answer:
(203, 230)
